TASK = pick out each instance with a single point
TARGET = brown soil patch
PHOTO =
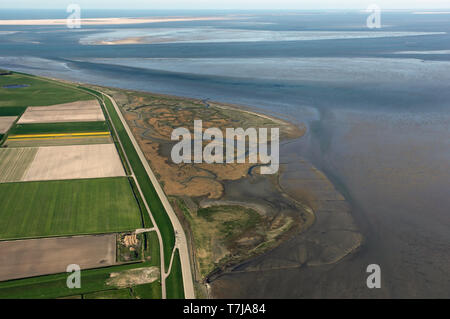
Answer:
(81, 111)
(36, 257)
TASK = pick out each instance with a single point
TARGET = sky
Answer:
(227, 4)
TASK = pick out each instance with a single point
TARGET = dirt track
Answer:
(34, 257)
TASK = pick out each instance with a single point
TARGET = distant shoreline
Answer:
(109, 21)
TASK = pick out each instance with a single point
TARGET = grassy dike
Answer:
(156, 207)
(152, 198)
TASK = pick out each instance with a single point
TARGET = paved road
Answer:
(180, 236)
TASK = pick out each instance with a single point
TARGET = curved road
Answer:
(180, 236)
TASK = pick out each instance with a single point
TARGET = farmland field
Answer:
(123, 293)
(58, 208)
(6, 122)
(14, 163)
(147, 291)
(75, 161)
(39, 92)
(35, 257)
(80, 111)
(93, 280)
(60, 141)
(59, 162)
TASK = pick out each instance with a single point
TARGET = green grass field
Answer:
(39, 92)
(57, 208)
(35, 142)
(14, 162)
(69, 127)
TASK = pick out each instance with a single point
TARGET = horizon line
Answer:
(232, 9)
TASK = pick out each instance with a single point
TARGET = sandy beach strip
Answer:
(109, 21)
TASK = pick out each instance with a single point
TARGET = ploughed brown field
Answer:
(35, 257)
